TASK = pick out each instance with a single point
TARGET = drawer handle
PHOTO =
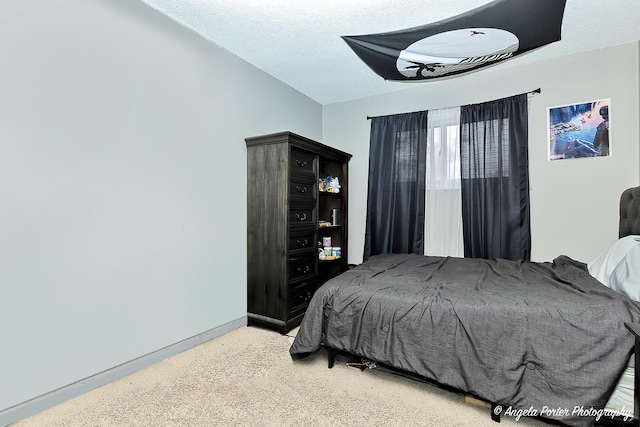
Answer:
(306, 297)
(302, 217)
(304, 270)
(303, 244)
(301, 190)
(301, 164)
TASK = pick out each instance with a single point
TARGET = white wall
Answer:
(574, 203)
(122, 185)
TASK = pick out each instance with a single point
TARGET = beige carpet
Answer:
(246, 378)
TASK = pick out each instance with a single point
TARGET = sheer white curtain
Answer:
(443, 201)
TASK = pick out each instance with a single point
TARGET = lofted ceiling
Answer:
(298, 41)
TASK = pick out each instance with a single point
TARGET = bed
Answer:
(522, 335)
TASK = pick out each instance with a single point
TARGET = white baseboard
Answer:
(55, 397)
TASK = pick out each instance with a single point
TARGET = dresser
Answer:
(297, 221)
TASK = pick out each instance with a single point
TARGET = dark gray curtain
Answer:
(395, 203)
(495, 179)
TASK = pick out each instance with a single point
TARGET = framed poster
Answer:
(579, 130)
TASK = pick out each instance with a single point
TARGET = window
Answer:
(443, 156)
(443, 199)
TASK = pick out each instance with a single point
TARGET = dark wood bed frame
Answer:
(629, 224)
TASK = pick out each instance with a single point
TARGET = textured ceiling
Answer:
(298, 41)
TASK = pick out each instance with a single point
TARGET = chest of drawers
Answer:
(284, 206)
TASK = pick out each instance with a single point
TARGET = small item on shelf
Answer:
(326, 242)
(329, 185)
(322, 224)
(328, 254)
(335, 217)
(320, 251)
(337, 251)
(335, 185)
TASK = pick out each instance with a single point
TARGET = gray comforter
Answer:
(541, 336)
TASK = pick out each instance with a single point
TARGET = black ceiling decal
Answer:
(495, 32)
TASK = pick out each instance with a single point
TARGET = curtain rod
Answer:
(532, 92)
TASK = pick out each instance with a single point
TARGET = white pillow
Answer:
(625, 278)
(602, 267)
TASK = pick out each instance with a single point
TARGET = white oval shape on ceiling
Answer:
(443, 51)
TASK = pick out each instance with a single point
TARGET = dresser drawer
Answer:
(305, 240)
(302, 216)
(302, 266)
(300, 295)
(302, 162)
(303, 189)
